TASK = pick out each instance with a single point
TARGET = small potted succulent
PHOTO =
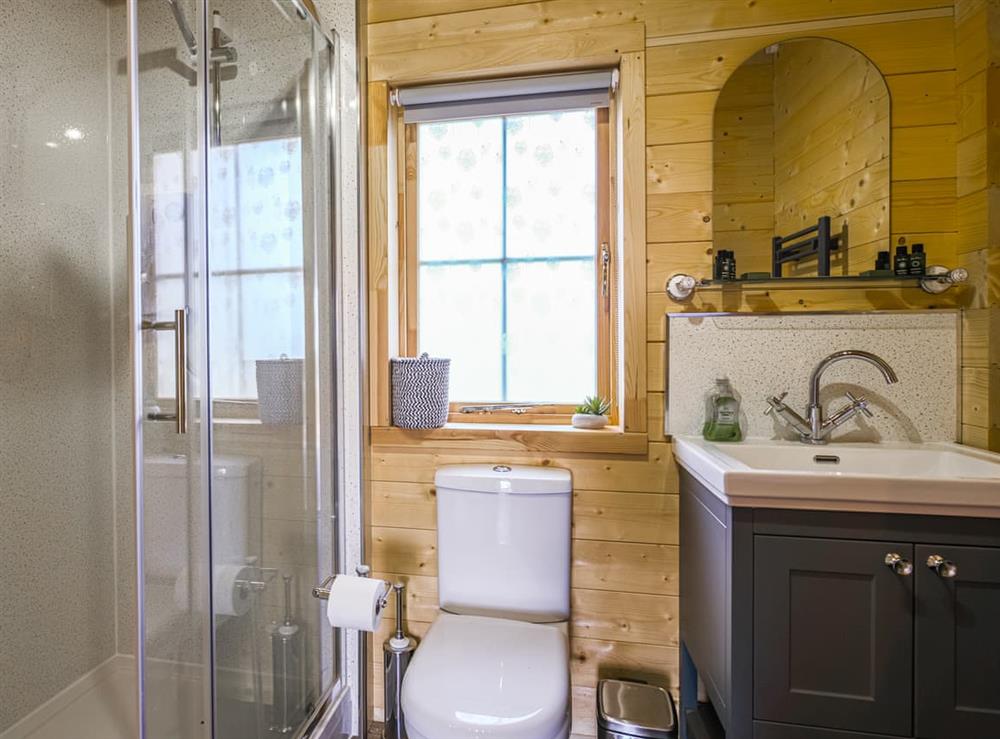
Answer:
(592, 413)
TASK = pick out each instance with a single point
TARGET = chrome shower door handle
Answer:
(179, 327)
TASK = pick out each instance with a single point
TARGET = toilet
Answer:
(495, 662)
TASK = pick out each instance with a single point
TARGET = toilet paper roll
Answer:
(231, 595)
(355, 603)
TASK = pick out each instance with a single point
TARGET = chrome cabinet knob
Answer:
(898, 565)
(860, 403)
(942, 566)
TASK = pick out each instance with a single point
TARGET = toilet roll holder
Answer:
(322, 591)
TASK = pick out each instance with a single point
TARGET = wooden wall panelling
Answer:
(631, 232)
(654, 472)
(634, 618)
(923, 205)
(405, 25)
(977, 39)
(980, 399)
(581, 48)
(382, 293)
(679, 167)
(403, 505)
(680, 118)
(656, 364)
(598, 515)
(518, 19)
(664, 259)
(390, 10)
(513, 438)
(603, 515)
(899, 48)
(775, 300)
(679, 217)
(976, 230)
(666, 18)
(750, 216)
(980, 337)
(973, 162)
(924, 152)
(629, 501)
(976, 30)
(656, 405)
(407, 199)
(923, 98)
(973, 98)
(625, 567)
(983, 265)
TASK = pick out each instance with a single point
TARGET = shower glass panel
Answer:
(269, 105)
(169, 294)
(234, 170)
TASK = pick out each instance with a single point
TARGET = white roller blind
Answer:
(513, 96)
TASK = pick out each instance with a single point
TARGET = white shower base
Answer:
(102, 705)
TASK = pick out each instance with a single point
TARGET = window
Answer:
(256, 259)
(507, 251)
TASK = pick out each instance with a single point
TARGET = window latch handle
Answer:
(606, 275)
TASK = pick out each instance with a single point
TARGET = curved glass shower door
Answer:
(270, 351)
(169, 298)
(232, 184)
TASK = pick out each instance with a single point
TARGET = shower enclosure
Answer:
(169, 475)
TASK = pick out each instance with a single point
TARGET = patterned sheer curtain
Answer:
(507, 237)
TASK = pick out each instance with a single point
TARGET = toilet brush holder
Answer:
(396, 655)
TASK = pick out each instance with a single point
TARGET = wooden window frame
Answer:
(606, 276)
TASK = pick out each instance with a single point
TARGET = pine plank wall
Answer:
(939, 59)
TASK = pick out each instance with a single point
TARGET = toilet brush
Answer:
(396, 654)
(288, 674)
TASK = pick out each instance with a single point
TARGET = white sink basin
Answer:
(935, 478)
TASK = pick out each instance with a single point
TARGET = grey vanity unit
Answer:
(811, 624)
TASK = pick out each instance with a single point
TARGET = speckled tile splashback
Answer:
(766, 355)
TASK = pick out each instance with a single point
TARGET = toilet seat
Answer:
(475, 677)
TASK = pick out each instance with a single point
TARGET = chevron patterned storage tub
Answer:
(419, 392)
(279, 389)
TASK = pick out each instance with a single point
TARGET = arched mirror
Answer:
(801, 163)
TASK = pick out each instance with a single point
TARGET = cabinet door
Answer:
(958, 643)
(833, 634)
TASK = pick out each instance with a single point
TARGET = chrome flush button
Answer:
(501, 468)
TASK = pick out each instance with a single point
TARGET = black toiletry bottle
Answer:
(720, 255)
(730, 265)
(918, 260)
(884, 261)
(901, 265)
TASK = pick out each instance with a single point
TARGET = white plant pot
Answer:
(589, 421)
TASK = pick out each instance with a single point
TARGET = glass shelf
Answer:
(837, 281)
(680, 287)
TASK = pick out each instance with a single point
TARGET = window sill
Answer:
(510, 437)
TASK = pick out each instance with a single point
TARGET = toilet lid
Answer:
(474, 676)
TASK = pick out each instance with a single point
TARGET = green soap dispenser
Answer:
(722, 414)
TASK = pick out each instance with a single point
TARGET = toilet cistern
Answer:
(816, 429)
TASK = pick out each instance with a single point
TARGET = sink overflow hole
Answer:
(826, 459)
